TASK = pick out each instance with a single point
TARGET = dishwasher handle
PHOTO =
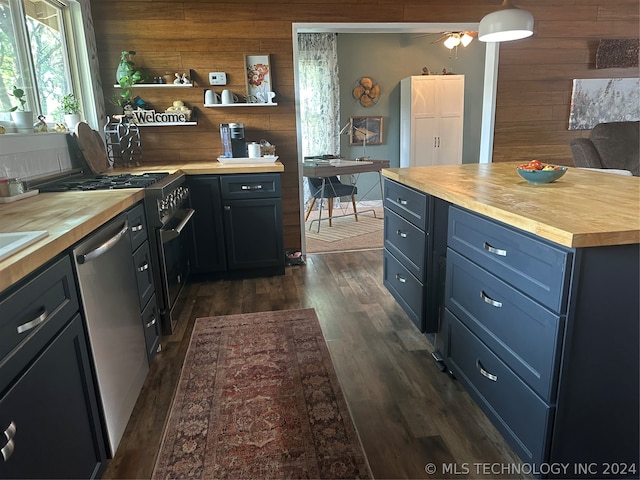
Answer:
(105, 247)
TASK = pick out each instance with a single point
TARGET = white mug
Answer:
(211, 97)
(228, 97)
(253, 149)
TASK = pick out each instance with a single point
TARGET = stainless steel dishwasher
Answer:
(109, 294)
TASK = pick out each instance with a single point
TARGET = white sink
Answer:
(13, 242)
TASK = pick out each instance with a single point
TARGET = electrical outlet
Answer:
(217, 78)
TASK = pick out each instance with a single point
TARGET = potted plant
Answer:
(127, 76)
(71, 109)
(21, 117)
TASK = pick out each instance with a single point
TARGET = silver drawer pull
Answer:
(402, 202)
(151, 323)
(25, 327)
(7, 450)
(497, 251)
(136, 228)
(9, 433)
(401, 234)
(400, 278)
(490, 300)
(484, 373)
(143, 267)
(251, 187)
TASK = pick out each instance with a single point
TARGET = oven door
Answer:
(174, 253)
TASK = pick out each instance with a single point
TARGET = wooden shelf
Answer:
(220, 105)
(157, 85)
(168, 124)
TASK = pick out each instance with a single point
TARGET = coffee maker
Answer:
(233, 141)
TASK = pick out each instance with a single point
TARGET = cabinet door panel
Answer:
(523, 334)
(406, 202)
(253, 233)
(534, 267)
(521, 416)
(449, 151)
(41, 305)
(405, 288)
(424, 141)
(54, 409)
(137, 226)
(144, 273)
(406, 242)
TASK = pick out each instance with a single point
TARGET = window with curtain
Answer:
(34, 55)
(319, 93)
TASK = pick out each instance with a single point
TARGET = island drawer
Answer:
(535, 267)
(406, 202)
(523, 334)
(137, 226)
(41, 305)
(256, 185)
(406, 242)
(404, 287)
(521, 416)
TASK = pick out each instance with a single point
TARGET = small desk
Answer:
(318, 168)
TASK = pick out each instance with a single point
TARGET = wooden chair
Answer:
(331, 189)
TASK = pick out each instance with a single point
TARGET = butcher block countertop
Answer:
(70, 216)
(582, 209)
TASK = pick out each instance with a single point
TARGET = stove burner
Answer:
(104, 182)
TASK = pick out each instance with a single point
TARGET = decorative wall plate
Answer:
(367, 91)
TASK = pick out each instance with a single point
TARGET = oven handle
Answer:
(168, 235)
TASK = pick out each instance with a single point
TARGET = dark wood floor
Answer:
(407, 412)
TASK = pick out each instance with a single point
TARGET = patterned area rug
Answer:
(258, 398)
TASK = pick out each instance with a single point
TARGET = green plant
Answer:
(127, 76)
(19, 94)
(70, 104)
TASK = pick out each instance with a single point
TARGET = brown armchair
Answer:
(614, 145)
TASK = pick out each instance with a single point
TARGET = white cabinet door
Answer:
(431, 120)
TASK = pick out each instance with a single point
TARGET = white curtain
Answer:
(319, 95)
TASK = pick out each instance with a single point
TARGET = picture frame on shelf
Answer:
(366, 130)
(258, 76)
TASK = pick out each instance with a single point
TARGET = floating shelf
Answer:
(157, 85)
(220, 105)
(168, 124)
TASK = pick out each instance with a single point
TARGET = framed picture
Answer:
(258, 76)
(366, 130)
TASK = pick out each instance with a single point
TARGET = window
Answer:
(34, 55)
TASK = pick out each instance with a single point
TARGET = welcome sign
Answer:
(151, 116)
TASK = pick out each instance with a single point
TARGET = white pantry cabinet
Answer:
(431, 120)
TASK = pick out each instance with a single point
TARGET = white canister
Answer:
(253, 149)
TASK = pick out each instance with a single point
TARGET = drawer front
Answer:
(523, 334)
(257, 185)
(41, 305)
(534, 267)
(410, 204)
(144, 273)
(151, 326)
(405, 288)
(520, 415)
(137, 226)
(406, 242)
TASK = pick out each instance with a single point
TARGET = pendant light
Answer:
(508, 23)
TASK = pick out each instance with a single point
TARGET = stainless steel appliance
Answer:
(167, 206)
(109, 295)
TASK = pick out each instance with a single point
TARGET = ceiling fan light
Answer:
(453, 41)
(466, 39)
(506, 25)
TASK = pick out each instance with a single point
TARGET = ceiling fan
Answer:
(453, 39)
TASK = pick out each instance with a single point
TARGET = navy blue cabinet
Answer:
(49, 411)
(545, 338)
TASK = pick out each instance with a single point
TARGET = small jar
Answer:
(16, 187)
(4, 187)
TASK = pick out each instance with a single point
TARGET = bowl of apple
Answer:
(537, 173)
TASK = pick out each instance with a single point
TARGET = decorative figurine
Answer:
(177, 80)
(185, 80)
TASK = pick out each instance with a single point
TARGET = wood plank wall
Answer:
(534, 78)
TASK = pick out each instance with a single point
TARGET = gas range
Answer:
(102, 182)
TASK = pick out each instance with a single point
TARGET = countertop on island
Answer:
(582, 209)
